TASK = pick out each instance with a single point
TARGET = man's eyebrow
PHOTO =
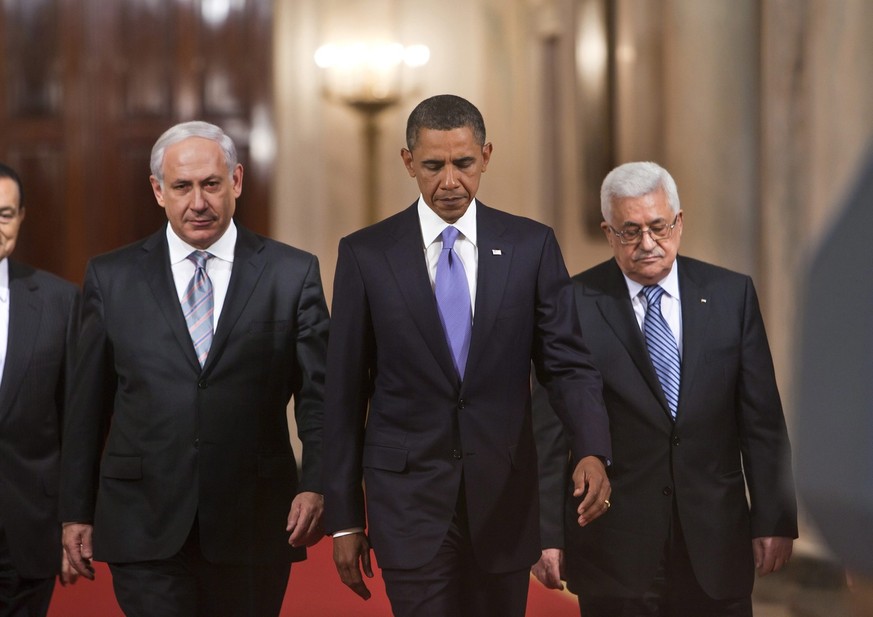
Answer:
(660, 219)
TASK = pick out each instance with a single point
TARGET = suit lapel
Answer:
(616, 309)
(404, 253)
(25, 313)
(248, 265)
(695, 320)
(495, 259)
(155, 263)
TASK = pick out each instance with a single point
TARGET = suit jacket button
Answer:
(461, 404)
(196, 443)
(456, 454)
(202, 384)
(675, 441)
(667, 491)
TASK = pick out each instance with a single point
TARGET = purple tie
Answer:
(198, 306)
(453, 299)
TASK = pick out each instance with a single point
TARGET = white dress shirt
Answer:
(671, 307)
(218, 268)
(432, 227)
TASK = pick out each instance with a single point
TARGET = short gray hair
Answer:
(635, 180)
(183, 131)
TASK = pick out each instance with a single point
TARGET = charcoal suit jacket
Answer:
(729, 436)
(42, 314)
(153, 440)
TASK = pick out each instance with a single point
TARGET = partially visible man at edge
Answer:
(37, 337)
(178, 461)
(695, 418)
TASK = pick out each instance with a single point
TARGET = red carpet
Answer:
(313, 591)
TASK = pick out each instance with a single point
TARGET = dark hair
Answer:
(444, 112)
(7, 172)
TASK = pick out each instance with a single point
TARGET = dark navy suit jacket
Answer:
(399, 417)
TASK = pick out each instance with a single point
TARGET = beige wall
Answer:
(760, 109)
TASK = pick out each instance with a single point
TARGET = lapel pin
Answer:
(496, 252)
(703, 300)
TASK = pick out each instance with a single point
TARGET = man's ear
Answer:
(486, 155)
(406, 155)
(157, 190)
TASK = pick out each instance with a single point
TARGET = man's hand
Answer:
(590, 480)
(348, 550)
(549, 570)
(68, 574)
(771, 553)
(77, 545)
(304, 519)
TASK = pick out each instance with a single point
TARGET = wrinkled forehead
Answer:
(641, 211)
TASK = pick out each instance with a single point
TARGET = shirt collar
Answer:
(221, 248)
(4, 280)
(670, 283)
(432, 225)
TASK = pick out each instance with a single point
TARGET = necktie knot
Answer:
(199, 258)
(653, 295)
(449, 235)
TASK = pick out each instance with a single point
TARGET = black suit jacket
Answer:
(398, 415)
(42, 315)
(729, 437)
(153, 440)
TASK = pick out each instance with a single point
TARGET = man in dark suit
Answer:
(37, 325)
(178, 453)
(695, 419)
(431, 406)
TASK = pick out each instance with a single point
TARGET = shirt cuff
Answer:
(347, 532)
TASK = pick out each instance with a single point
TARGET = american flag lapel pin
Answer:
(496, 252)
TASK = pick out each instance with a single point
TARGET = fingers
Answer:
(77, 545)
(68, 575)
(306, 531)
(592, 484)
(548, 569)
(348, 552)
(771, 554)
(304, 519)
(365, 564)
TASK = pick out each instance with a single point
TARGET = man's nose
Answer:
(647, 242)
(199, 201)
(449, 179)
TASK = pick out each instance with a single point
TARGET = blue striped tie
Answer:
(662, 347)
(198, 306)
(453, 299)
